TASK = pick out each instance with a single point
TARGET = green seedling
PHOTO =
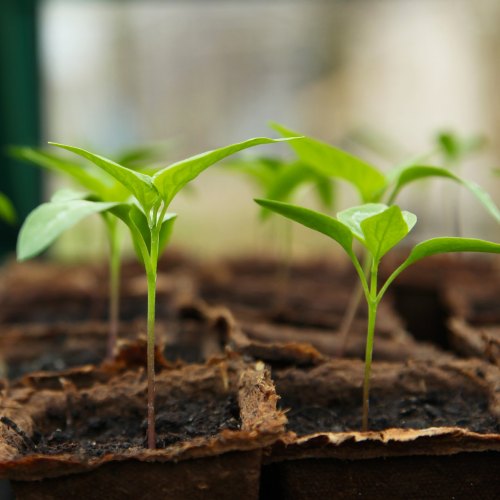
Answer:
(148, 221)
(373, 186)
(378, 228)
(100, 188)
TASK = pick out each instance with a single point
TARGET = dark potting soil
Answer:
(434, 409)
(177, 420)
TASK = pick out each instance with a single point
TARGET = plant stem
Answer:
(352, 308)
(114, 287)
(151, 276)
(372, 316)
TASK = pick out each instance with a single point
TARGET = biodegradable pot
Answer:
(44, 292)
(302, 325)
(475, 341)
(315, 296)
(191, 334)
(212, 422)
(435, 432)
(419, 292)
(475, 308)
(283, 344)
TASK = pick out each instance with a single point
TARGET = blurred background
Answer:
(380, 78)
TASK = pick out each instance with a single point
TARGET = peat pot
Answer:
(434, 432)
(87, 440)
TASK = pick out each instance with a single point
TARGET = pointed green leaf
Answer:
(386, 229)
(7, 212)
(407, 175)
(139, 185)
(449, 245)
(170, 180)
(333, 162)
(314, 220)
(48, 221)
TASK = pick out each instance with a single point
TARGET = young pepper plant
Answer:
(378, 228)
(150, 224)
(101, 187)
(373, 186)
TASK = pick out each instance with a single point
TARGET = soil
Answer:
(187, 336)
(435, 409)
(328, 399)
(316, 296)
(87, 434)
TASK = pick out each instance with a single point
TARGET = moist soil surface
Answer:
(434, 409)
(178, 420)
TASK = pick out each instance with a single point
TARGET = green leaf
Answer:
(449, 245)
(314, 220)
(48, 221)
(91, 181)
(386, 229)
(139, 185)
(352, 217)
(456, 148)
(332, 162)
(170, 180)
(413, 173)
(7, 212)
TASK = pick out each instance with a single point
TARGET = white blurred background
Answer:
(205, 74)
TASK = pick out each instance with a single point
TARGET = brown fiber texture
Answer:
(122, 395)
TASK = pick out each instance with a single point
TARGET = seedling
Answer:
(378, 228)
(101, 188)
(373, 186)
(149, 223)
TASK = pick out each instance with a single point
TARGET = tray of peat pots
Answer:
(474, 324)
(303, 322)
(421, 292)
(191, 333)
(433, 432)
(85, 437)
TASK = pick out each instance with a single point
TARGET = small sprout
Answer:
(150, 224)
(378, 228)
